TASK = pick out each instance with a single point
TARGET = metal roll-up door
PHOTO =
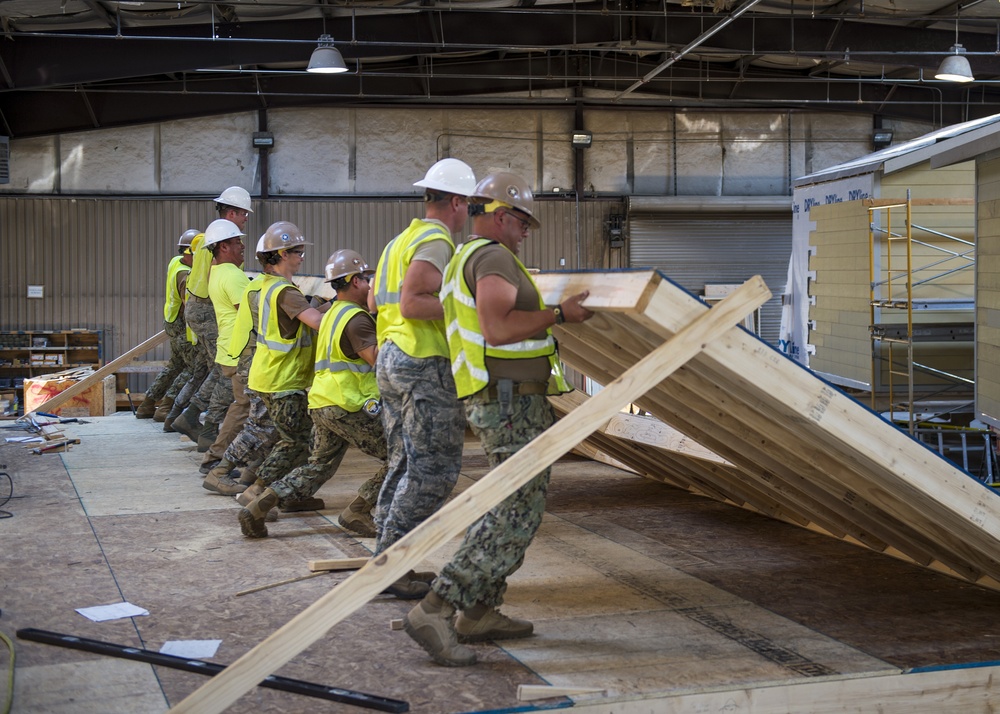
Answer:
(717, 247)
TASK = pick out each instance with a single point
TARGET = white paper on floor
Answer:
(101, 613)
(193, 649)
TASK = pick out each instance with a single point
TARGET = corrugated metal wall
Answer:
(696, 249)
(102, 261)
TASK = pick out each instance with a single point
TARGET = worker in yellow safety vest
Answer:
(504, 359)
(423, 420)
(343, 402)
(163, 391)
(282, 367)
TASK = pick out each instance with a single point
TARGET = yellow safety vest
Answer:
(417, 338)
(201, 268)
(175, 301)
(243, 328)
(468, 347)
(279, 364)
(339, 380)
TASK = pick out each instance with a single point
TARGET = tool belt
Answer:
(505, 390)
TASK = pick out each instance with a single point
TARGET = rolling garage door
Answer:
(699, 241)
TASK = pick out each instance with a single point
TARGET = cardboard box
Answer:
(98, 400)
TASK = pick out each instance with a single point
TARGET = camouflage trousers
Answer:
(290, 413)
(258, 434)
(211, 395)
(199, 368)
(178, 368)
(333, 431)
(425, 433)
(494, 546)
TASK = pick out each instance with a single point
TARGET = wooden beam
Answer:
(110, 368)
(316, 620)
(338, 564)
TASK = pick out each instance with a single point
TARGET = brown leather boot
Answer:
(431, 628)
(252, 517)
(480, 623)
(254, 490)
(409, 587)
(146, 408)
(163, 408)
(357, 517)
(222, 484)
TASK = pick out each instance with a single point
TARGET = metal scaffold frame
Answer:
(895, 280)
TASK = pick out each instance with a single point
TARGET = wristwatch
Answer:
(558, 312)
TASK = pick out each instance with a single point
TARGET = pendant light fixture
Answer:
(955, 67)
(326, 59)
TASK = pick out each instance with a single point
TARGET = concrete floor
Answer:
(642, 590)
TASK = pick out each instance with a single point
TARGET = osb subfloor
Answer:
(634, 587)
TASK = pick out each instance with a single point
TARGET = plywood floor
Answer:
(646, 591)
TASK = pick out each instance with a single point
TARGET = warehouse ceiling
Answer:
(73, 65)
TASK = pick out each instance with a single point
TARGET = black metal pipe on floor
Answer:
(284, 684)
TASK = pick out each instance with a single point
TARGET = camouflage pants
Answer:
(494, 546)
(290, 413)
(327, 452)
(425, 433)
(177, 366)
(259, 434)
(363, 432)
(184, 392)
(200, 316)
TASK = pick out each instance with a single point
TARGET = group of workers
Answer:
(396, 365)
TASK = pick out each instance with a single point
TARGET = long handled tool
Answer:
(198, 666)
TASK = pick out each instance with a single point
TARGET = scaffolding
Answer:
(899, 284)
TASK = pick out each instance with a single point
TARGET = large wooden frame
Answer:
(313, 622)
(793, 447)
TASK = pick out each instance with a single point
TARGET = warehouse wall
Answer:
(357, 152)
(988, 289)
(92, 215)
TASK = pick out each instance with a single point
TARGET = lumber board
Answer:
(337, 564)
(110, 368)
(312, 623)
(761, 447)
(531, 692)
(963, 689)
(934, 512)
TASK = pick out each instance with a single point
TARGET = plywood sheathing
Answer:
(801, 447)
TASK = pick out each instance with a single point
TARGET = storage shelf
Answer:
(78, 348)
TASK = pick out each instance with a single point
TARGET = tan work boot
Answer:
(301, 504)
(409, 587)
(163, 408)
(222, 484)
(247, 474)
(247, 497)
(492, 625)
(252, 517)
(146, 408)
(431, 628)
(357, 517)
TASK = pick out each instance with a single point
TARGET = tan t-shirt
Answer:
(495, 259)
(292, 302)
(358, 335)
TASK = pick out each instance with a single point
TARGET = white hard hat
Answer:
(220, 230)
(236, 197)
(450, 176)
